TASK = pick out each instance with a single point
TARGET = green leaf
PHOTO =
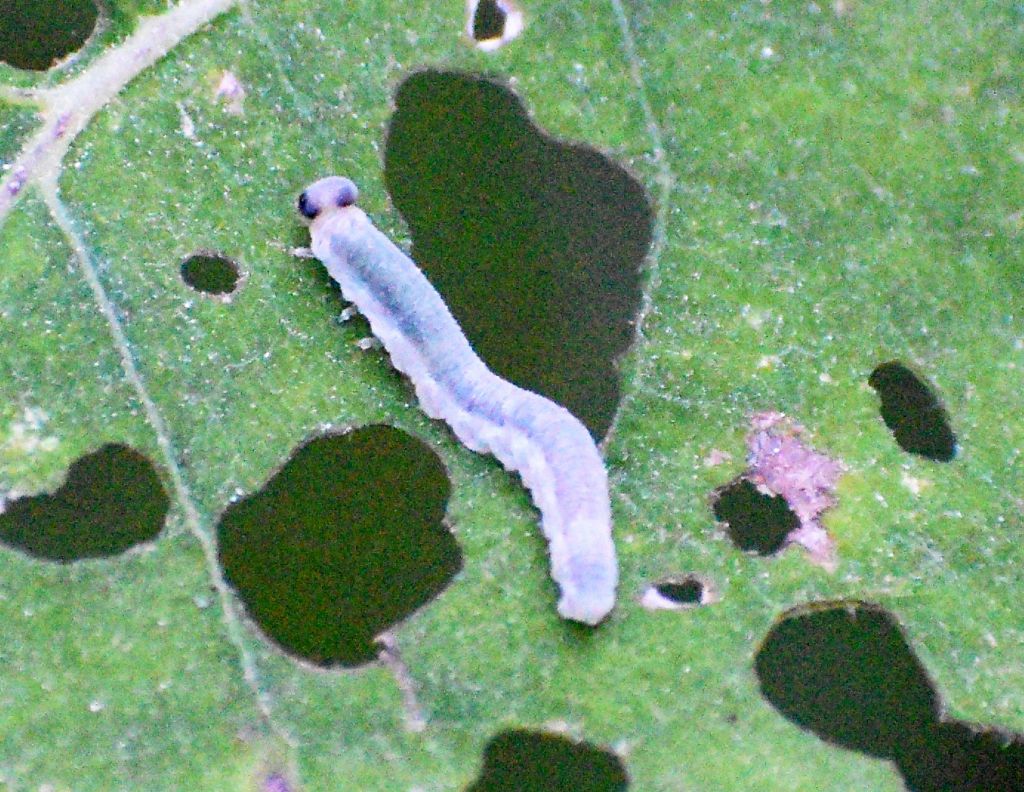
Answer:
(837, 186)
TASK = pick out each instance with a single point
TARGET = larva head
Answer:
(333, 192)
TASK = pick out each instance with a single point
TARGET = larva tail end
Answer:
(588, 593)
(332, 192)
(588, 576)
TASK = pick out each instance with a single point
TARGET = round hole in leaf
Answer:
(34, 34)
(343, 542)
(754, 520)
(111, 501)
(210, 273)
(518, 760)
(913, 412)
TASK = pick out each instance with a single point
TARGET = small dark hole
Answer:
(535, 244)
(685, 592)
(343, 542)
(525, 761)
(913, 412)
(488, 20)
(111, 501)
(36, 33)
(844, 671)
(755, 521)
(210, 273)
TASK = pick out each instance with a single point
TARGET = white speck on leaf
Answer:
(25, 434)
(231, 91)
(716, 457)
(188, 127)
(914, 484)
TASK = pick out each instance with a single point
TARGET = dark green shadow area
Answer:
(111, 501)
(844, 671)
(754, 521)
(35, 33)
(913, 412)
(535, 244)
(525, 761)
(343, 542)
(210, 273)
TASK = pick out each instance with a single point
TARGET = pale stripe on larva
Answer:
(552, 451)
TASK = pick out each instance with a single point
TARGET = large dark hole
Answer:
(535, 244)
(35, 33)
(913, 412)
(343, 542)
(844, 671)
(525, 761)
(755, 521)
(210, 273)
(488, 20)
(111, 501)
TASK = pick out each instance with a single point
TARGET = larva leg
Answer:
(368, 343)
(550, 449)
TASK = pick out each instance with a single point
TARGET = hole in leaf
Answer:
(685, 592)
(535, 244)
(913, 412)
(488, 20)
(524, 761)
(343, 542)
(36, 33)
(754, 521)
(111, 500)
(845, 671)
(210, 273)
(678, 593)
(961, 756)
(493, 23)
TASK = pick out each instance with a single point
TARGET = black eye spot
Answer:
(306, 207)
(347, 194)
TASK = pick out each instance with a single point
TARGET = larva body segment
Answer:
(549, 448)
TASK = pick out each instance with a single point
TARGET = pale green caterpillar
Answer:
(551, 450)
